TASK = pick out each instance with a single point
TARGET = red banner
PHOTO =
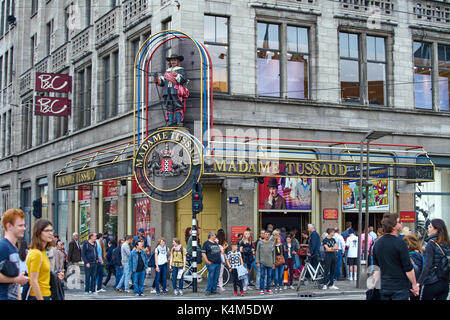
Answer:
(48, 106)
(53, 82)
(110, 189)
(235, 232)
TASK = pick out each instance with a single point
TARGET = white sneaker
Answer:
(280, 289)
(249, 288)
(291, 287)
(245, 288)
(153, 291)
(324, 287)
(334, 287)
(285, 288)
(175, 292)
(101, 290)
(350, 278)
(180, 292)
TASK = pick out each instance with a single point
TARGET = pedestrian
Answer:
(125, 252)
(51, 253)
(211, 255)
(161, 259)
(279, 269)
(106, 239)
(138, 263)
(234, 261)
(245, 248)
(434, 283)
(89, 254)
(117, 263)
(187, 234)
(74, 254)
(290, 249)
(255, 245)
(38, 264)
(339, 254)
(352, 254)
(13, 223)
(140, 235)
(416, 256)
(223, 245)
(23, 251)
(110, 268)
(177, 266)
(265, 260)
(314, 245)
(101, 263)
(363, 243)
(330, 246)
(373, 234)
(59, 256)
(390, 254)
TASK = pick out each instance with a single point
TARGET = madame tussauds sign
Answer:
(167, 164)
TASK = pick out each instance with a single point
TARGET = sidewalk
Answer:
(346, 287)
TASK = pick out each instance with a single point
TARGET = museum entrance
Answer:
(289, 220)
(374, 219)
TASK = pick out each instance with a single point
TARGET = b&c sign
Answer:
(48, 106)
(53, 82)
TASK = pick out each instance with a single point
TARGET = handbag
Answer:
(279, 260)
(9, 269)
(242, 272)
(297, 263)
(373, 294)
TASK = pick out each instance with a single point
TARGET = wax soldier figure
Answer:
(174, 92)
(274, 200)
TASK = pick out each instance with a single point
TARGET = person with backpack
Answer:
(434, 278)
(110, 268)
(161, 259)
(177, 266)
(416, 255)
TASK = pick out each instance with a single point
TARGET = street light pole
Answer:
(360, 212)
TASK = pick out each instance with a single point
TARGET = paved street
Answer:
(347, 291)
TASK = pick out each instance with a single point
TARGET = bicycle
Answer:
(316, 274)
(188, 277)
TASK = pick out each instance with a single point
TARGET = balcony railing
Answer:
(133, 11)
(26, 82)
(107, 26)
(386, 6)
(81, 43)
(60, 58)
(431, 11)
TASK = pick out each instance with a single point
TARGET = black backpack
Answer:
(443, 269)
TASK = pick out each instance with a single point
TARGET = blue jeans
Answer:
(402, 294)
(174, 278)
(138, 282)
(162, 274)
(266, 274)
(119, 274)
(279, 276)
(258, 274)
(337, 272)
(90, 276)
(213, 277)
(125, 280)
(99, 279)
(34, 298)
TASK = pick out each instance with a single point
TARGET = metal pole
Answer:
(194, 251)
(366, 256)
(360, 213)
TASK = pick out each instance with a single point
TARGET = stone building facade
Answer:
(260, 87)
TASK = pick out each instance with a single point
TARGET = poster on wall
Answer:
(378, 195)
(142, 216)
(110, 218)
(290, 193)
(85, 222)
(236, 231)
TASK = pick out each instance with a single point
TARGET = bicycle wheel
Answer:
(187, 278)
(225, 276)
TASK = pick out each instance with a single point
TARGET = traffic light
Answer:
(197, 197)
(37, 208)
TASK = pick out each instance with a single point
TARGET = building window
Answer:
(8, 134)
(27, 125)
(349, 67)
(34, 6)
(49, 35)
(1, 72)
(2, 19)
(423, 89)
(11, 65)
(444, 76)
(33, 43)
(297, 62)
(88, 13)
(83, 97)
(42, 192)
(216, 42)
(110, 85)
(3, 123)
(352, 69)
(376, 70)
(6, 69)
(268, 59)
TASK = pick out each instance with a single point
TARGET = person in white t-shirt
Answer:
(352, 254)
(341, 245)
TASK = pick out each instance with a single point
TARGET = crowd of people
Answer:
(404, 269)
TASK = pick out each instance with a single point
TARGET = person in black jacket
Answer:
(90, 258)
(112, 244)
(116, 259)
(433, 287)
